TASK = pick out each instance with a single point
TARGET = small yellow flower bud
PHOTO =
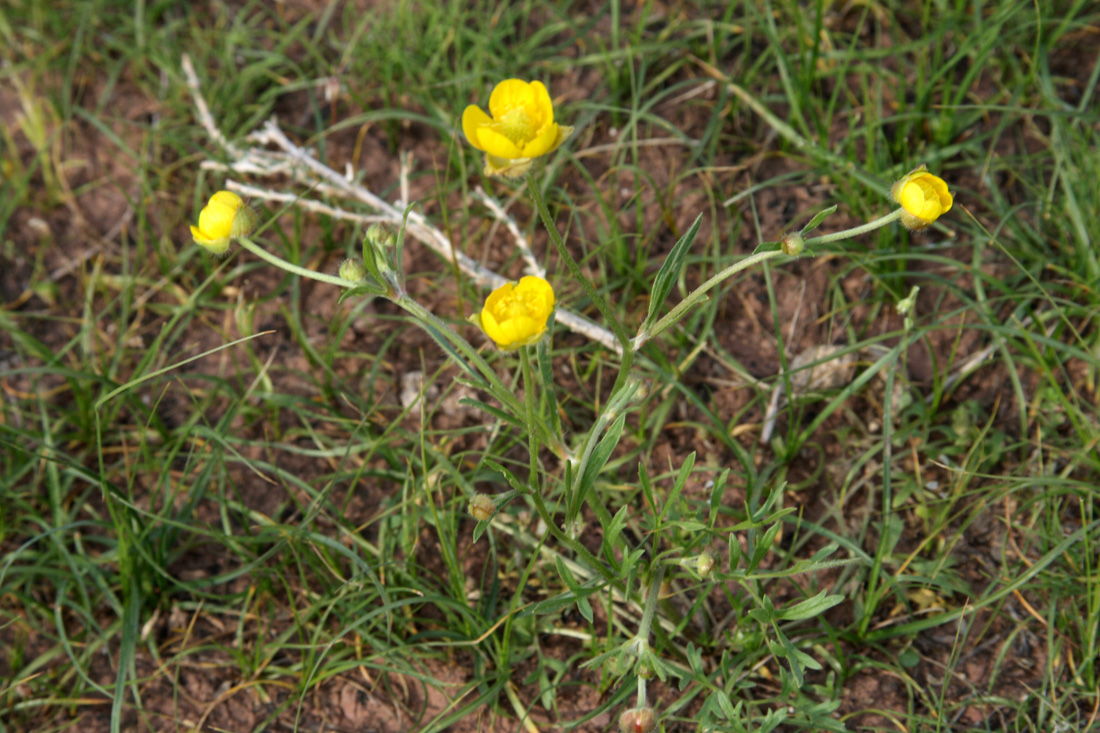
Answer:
(225, 216)
(793, 244)
(482, 507)
(353, 270)
(638, 720)
(704, 564)
(923, 196)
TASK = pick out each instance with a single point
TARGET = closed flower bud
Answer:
(704, 564)
(381, 235)
(225, 216)
(638, 720)
(793, 244)
(923, 196)
(482, 507)
(353, 270)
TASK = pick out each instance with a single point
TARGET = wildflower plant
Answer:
(678, 541)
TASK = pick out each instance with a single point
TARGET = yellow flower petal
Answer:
(494, 143)
(216, 218)
(542, 103)
(214, 246)
(473, 119)
(546, 141)
(225, 216)
(508, 95)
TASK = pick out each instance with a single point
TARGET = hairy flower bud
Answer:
(380, 235)
(353, 270)
(704, 564)
(793, 244)
(482, 507)
(638, 720)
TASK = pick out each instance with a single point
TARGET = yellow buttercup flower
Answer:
(520, 129)
(516, 315)
(225, 216)
(924, 197)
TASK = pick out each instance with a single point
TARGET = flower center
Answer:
(520, 305)
(517, 126)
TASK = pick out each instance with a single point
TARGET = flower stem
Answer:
(292, 268)
(589, 288)
(570, 542)
(530, 397)
(696, 295)
(856, 231)
(427, 318)
(651, 604)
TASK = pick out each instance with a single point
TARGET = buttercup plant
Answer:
(517, 317)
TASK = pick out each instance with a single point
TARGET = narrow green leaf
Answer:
(494, 411)
(598, 458)
(646, 484)
(810, 607)
(669, 272)
(681, 479)
(763, 546)
(514, 482)
(440, 339)
(611, 536)
(717, 491)
(818, 218)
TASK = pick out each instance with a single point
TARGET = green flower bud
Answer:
(380, 235)
(704, 564)
(793, 244)
(353, 270)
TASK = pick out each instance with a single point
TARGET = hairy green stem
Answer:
(571, 543)
(500, 391)
(530, 397)
(292, 268)
(696, 295)
(856, 231)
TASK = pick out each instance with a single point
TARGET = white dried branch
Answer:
(533, 266)
(265, 194)
(300, 165)
(205, 118)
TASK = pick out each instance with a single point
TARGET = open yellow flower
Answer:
(924, 197)
(225, 216)
(520, 129)
(516, 315)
